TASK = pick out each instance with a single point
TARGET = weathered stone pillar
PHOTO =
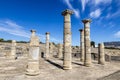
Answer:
(67, 39)
(33, 58)
(51, 49)
(13, 50)
(47, 45)
(82, 44)
(101, 55)
(87, 61)
(60, 51)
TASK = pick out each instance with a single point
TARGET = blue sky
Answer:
(18, 17)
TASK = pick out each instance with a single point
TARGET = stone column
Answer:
(67, 40)
(60, 51)
(101, 55)
(87, 61)
(47, 45)
(82, 44)
(33, 57)
(51, 49)
(13, 50)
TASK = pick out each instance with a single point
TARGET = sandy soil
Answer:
(52, 70)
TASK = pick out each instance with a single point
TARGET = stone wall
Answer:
(23, 49)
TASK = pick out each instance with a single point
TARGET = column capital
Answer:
(86, 20)
(47, 33)
(81, 30)
(101, 44)
(67, 11)
(33, 30)
(13, 41)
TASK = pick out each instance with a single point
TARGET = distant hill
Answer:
(114, 44)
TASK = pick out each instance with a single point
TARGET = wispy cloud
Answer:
(84, 2)
(113, 15)
(96, 13)
(93, 3)
(11, 27)
(76, 11)
(96, 2)
(117, 34)
(52, 39)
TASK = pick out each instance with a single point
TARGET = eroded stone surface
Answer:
(67, 39)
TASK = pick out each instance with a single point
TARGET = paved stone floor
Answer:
(52, 70)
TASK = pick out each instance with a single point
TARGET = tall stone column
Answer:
(82, 44)
(87, 61)
(67, 40)
(101, 55)
(13, 50)
(60, 51)
(33, 57)
(47, 45)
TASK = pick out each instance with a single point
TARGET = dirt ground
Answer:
(52, 70)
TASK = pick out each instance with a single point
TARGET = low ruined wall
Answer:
(22, 49)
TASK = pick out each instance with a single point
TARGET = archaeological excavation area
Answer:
(62, 61)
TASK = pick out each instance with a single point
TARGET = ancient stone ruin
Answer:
(60, 61)
(33, 56)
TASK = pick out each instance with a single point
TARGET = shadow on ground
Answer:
(113, 76)
(55, 64)
(77, 63)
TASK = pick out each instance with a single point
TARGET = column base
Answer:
(66, 67)
(102, 63)
(47, 58)
(88, 64)
(32, 68)
(32, 72)
(67, 64)
(82, 60)
(11, 57)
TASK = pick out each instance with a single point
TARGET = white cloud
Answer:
(76, 11)
(113, 15)
(96, 13)
(117, 34)
(52, 39)
(84, 2)
(13, 28)
(96, 2)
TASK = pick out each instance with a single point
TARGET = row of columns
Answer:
(33, 59)
(85, 45)
(65, 50)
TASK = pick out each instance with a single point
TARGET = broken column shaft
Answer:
(13, 50)
(33, 57)
(101, 55)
